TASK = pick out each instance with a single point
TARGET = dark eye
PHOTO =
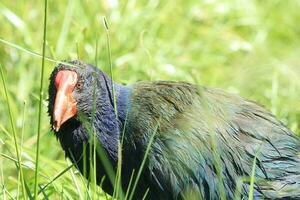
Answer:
(79, 84)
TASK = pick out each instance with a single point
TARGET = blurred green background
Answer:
(247, 47)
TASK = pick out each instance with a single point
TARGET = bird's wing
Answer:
(206, 137)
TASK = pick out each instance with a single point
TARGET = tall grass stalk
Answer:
(106, 163)
(110, 65)
(40, 102)
(129, 184)
(118, 191)
(75, 182)
(120, 148)
(21, 145)
(30, 52)
(144, 160)
(238, 189)
(145, 195)
(1, 173)
(96, 50)
(33, 53)
(252, 178)
(55, 178)
(14, 132)
(100, 152)
(92, 133)
(84, 167)
(81, 175)
(65, 27)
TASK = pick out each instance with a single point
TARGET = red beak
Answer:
(65, 105)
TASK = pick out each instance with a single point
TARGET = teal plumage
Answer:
(204, 140)
(189, 118)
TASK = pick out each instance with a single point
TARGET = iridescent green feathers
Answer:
(202, 130)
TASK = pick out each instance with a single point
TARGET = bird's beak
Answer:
(65, 105)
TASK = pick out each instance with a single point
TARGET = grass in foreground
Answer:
(250, 48)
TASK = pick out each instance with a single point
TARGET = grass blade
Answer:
(43, 192)
(75, 182)
(252, 178)
(14, 131)
(145, 195)
(65, 28)
(40, 102)
(118, 191)
(30, 52)
(129, 184)
(55, 178)
(28, 191)
(21, 145)
(2, 174)
(143, 161)
(110, 65)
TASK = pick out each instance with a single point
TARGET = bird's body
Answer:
(204, 142)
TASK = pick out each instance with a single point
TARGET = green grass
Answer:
(250, 48)
(36, 175)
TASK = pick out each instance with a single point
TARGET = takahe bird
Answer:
(203, 140)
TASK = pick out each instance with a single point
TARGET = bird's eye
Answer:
(79, 85)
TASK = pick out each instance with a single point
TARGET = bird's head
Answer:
(71, 91)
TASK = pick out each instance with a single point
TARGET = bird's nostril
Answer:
(55, 125)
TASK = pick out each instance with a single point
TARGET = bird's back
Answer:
(205, 143)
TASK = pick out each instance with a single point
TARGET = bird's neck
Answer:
(109, 120)
(116, 100)
(122, 94)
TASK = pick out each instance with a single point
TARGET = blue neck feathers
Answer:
(123, 94)
(108, 123)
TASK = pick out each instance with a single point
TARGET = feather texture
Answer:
(190, 118)
(200, 131)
